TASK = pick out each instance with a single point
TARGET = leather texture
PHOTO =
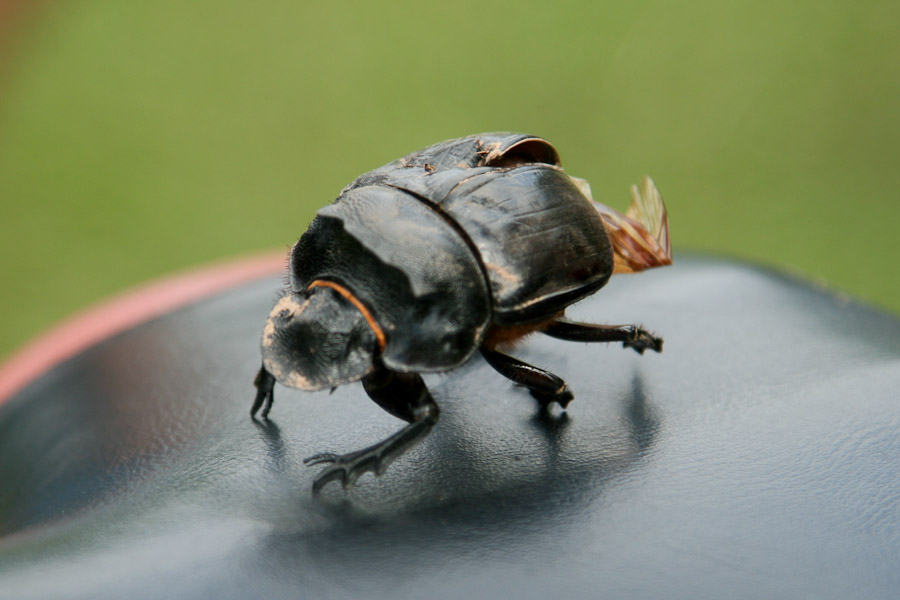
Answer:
(756, 457)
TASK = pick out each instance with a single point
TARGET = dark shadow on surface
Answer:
(639, 412)
(552, 422)
(451, 502)
(270, 433)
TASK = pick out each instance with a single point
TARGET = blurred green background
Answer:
(138, 138)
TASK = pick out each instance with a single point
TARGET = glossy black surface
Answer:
(756, 457)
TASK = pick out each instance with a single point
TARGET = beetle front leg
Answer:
(543, 385)
(631, 336)
(404, 395)
(265, 393)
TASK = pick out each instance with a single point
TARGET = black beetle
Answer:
(466, 245)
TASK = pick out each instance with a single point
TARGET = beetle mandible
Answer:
(469, 244)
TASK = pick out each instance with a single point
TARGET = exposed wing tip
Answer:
(640, 237)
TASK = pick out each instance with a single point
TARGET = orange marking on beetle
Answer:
(507, 336)
(373, 324)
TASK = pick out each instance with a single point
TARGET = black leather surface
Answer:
(757, 457)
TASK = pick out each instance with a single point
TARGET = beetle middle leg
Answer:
(543, 385)
(404, 395)
(631, 336)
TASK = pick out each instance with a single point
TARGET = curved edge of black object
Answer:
(757, 456)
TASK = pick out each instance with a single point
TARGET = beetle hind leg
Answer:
(543, 385)
(631, 336)
(404, 395)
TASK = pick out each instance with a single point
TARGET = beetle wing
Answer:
(495, 149)
(433, 172)
(640, 237)
(510, 150)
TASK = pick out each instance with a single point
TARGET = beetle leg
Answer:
(404, 395)
(265, 394)
(543, 385)
(631, 336)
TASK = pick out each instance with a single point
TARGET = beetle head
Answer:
(317, 339)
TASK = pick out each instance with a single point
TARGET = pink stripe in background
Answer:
(125, 311)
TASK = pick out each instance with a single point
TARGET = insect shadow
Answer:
(453, 502)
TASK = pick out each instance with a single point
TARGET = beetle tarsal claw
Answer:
(562, 397)
(318, 459)
(643, 340)
(347, 468)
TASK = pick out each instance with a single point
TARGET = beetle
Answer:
(467, 245)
